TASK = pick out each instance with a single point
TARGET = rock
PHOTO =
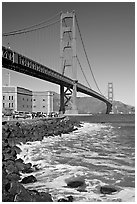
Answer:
(7, 186)
(13, 153)
(20, 166)
(17, 149)
(75, 182)
(27, 171)
(23, 196)
(80, 189)
(68, 199)
(44, 197)
(6, 197)
(11, 142)
(28, 179)
(5, 144)
(16, 187)
(34, 192)
(11, 168)
(32, 196)
(107, 189)
(4, 122)
(19, 160)
(17, 124)
(9, 157)
(27, 168)
(9, 162)
(62, 200)
(4, 173)
(13, 177)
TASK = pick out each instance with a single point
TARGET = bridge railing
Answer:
(7, 53)
(19, 59)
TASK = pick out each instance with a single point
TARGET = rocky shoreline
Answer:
(14, 133)
(14, 168)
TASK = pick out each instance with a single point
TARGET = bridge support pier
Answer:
(62, 105)
(109, 108)
(74, 98)
(68, 99)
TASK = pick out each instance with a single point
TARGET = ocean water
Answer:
(101, 154)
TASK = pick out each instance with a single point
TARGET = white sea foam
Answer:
(84, 152)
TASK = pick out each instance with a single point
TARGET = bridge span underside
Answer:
(16, 62)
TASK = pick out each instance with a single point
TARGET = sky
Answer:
(108, 33)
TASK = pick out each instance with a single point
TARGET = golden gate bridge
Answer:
(29, 60)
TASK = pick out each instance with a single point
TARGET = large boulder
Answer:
(11, 168)
(27, 168)
(44, 197)
(19, 164)
(17, 149)
(107, 189)
(23, 196)
(13, 177)
(28, 179)
(74, 182)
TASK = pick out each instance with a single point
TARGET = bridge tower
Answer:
(68, 60)
(110, 92)
(110, 95)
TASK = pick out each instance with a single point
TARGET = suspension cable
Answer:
(27, 31)
(82, 71)
(87, 57)
(26, 28)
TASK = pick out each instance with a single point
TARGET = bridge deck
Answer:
(15, 61)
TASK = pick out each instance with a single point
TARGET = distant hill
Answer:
(93, 105)
(119, 107)
(90, 105)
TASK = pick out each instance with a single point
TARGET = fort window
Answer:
(3, 105)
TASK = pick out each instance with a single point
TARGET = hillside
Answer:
(119, 107)
(93, 105)
(90, 105)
